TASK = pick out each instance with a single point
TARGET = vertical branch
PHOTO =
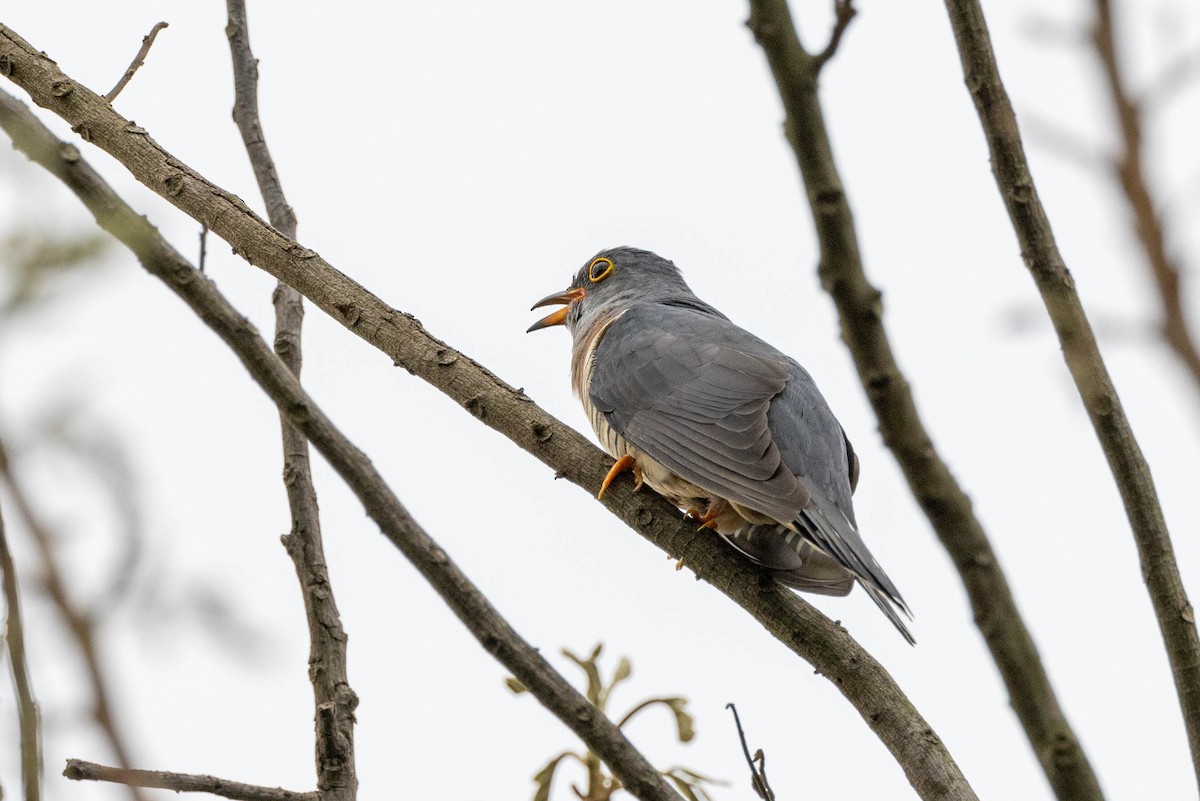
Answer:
(1176, 620)
(1147, 222)
(929, 478)
(27, 710)
(79, 623)
(334, 699)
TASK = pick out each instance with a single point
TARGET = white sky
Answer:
(461, 160)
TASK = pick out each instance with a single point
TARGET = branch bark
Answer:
(1147, 223)
(28, 718)
(333, 697)
(80, 771)
(1054, 282)
(860, 310)
(282, 386)
(794, 622)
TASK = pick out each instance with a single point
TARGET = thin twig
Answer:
(1144, 215)
(333, 697)
(78, 623)
(943, 500)
(273, 376)
(203, 248)
(138, 61)
(80, 771)
(757, 763)
(844, 12)
(1056, 285)
(28, 717)
(789, 618)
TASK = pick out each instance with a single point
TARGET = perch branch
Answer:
(1057, 288)
(281, 385)
(944, 502)
(790, 619)
(333, 697)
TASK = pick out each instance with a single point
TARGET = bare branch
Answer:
(756, 763)
(79, 624)
(1147, 222)
(333, 697)
(273, 376)
(790, 619)
(860, 310)
(28, 717)
(844, 12)
(1057, 287)
(80, 771)
(138, 61)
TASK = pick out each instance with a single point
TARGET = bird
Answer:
(727, 427)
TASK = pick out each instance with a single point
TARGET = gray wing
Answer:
(693, 391)
(703, 397)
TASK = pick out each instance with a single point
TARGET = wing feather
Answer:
(693, 391)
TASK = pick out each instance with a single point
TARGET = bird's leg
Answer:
(626, 462)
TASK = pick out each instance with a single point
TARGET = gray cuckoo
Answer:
(729, 429)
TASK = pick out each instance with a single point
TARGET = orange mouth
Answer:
(559, 316)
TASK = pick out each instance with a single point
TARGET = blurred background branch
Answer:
(14, 646)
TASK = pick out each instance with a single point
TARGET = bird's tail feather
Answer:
(832, 532)
(888, 606)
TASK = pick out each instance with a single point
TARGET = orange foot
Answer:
(708, 519)
(626, 462)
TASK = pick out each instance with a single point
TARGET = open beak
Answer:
(559, 316)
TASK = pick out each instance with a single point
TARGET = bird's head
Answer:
(610, 282)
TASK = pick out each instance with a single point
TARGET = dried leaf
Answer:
(684, 722)
(595, 686)
(515, 686)
(544, 777)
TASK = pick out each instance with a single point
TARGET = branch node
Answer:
(844, 13)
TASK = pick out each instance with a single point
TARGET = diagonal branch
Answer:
(790, 619)
(274, 377)
(929, 478)
(80, 771)
(333, 697)
(1057, 287)
(28, 717)
(1147, 222)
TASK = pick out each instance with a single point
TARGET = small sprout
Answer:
(601, 785)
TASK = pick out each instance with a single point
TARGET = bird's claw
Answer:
(626, 462)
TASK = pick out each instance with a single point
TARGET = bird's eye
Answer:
(599, 269)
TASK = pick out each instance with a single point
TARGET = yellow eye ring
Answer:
(599, 269)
